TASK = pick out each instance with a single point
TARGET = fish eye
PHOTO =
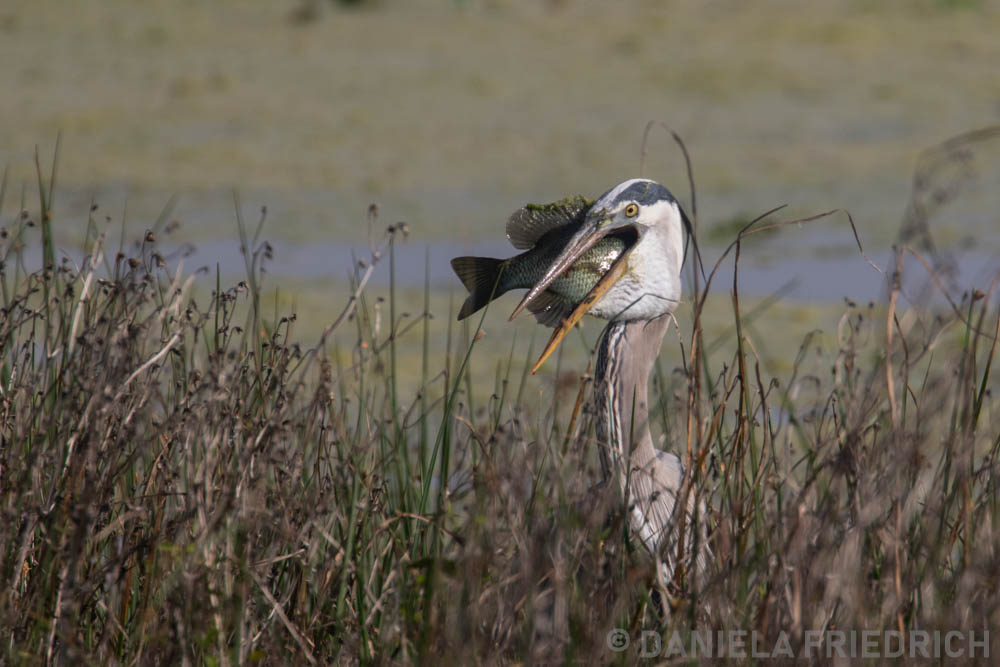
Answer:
(631, 211)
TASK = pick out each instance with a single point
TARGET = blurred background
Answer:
(450, 114)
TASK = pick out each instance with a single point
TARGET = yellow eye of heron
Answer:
(631, 211)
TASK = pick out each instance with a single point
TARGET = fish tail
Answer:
(481, 276)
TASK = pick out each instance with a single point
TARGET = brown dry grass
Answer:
(185, 482)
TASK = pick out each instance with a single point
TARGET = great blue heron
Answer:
(638, 295)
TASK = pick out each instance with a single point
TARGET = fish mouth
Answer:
(573, 251)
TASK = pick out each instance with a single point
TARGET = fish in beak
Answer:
(598, 224)
(608, 281)
(593, 229)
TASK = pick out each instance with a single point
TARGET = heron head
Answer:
(638, 205)
(635, 208)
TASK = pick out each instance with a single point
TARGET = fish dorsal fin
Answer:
(529, 223)
(550, 309)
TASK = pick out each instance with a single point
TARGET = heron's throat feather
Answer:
(606, 397)
(626, 353)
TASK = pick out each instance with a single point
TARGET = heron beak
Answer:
(600, 289)
(593, 231)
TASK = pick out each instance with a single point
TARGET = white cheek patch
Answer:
(669, 228)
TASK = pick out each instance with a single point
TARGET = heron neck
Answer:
(626, 354)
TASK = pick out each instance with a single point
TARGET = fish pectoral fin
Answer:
(531, 222)
(550, 309)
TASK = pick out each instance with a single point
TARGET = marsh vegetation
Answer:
(186, 479)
